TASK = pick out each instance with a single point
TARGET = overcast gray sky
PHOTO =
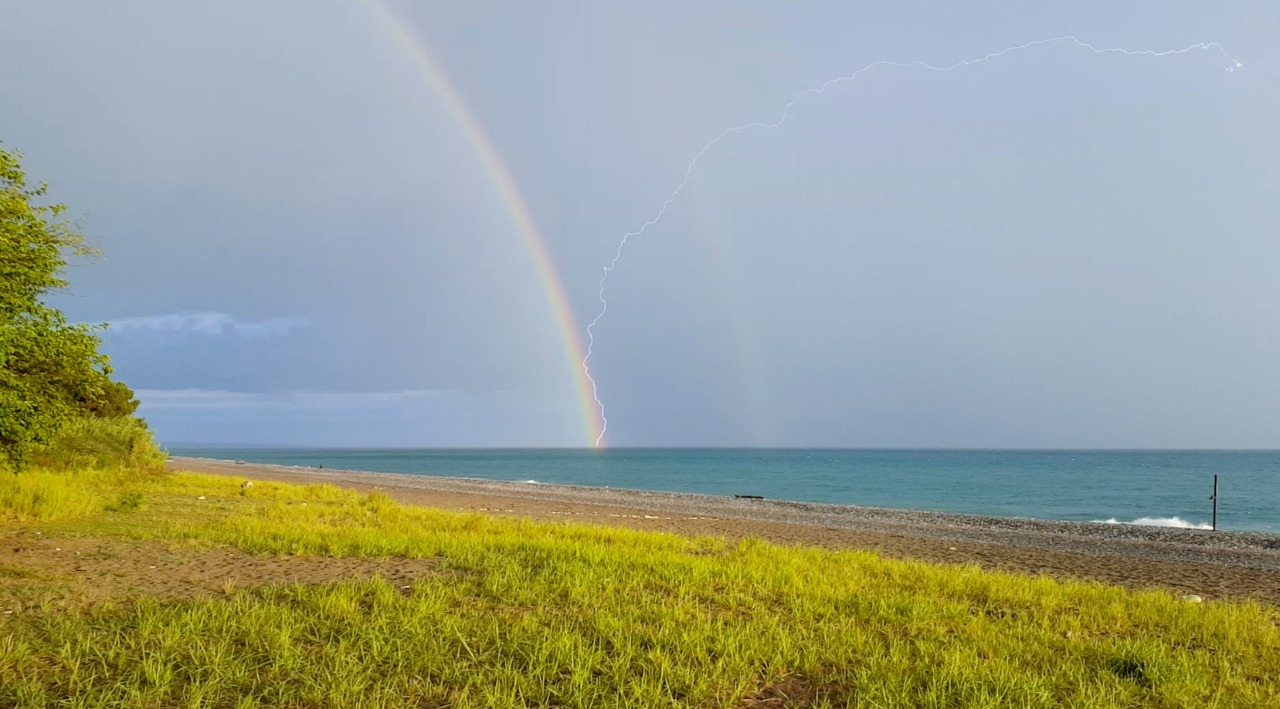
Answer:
(1054, 248)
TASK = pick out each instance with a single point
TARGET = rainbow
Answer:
(500, 175)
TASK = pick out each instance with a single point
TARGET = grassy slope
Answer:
(539, 614)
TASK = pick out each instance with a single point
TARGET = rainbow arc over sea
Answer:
(499, 175)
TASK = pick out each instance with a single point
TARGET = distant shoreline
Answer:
(1153, 488)
(1210, 564)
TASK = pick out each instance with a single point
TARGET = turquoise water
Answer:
(1161, 487)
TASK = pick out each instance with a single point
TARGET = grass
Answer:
(47, 495)
(529, 614)
(95, 442)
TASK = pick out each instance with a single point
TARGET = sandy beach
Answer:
(1208, 564)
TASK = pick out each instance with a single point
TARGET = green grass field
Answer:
(532, 614)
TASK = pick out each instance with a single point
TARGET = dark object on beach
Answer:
(748, 497)
(239, 462)
(1214, 497)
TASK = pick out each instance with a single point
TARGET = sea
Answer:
(1151, 487)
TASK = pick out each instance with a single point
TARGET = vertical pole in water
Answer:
(1215, 503)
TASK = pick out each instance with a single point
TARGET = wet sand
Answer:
(1208, 564)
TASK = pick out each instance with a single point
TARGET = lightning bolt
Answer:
(818, 91)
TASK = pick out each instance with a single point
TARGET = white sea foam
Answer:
(531, 482)
(1159, 522)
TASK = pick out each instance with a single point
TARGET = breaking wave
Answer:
(1159, 522)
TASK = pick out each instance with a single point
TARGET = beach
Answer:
(1186, 561)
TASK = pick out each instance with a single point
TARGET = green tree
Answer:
(50, 370)
(114, 400)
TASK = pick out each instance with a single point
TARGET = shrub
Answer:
(88, 442)
(127, 502)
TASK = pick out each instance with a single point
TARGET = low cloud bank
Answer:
(218, 399)
(208, 323)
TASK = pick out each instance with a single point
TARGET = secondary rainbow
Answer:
(500, 176)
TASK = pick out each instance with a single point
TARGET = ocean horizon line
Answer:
(991, 449)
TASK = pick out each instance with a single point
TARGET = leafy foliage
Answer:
(113, 399)
(50, 370)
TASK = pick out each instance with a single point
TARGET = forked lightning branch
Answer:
(830, 84)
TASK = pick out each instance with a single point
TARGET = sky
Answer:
(303, 245)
